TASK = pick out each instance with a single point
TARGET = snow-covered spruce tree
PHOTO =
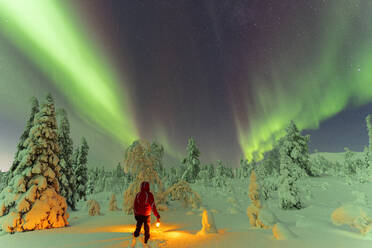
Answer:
(191, 162)
(158, 150)
(288, 190)
(181, 168)
(118, 181)
(21, 143)
(31, 200)
(367, 154)
(172, 176)
(267, 177)
(245, 169)
(210, 171)
(206, 174)
(139, 162)
(101, 181)
(81, 171)
(294, 159)
(93, 178)
(369, 130)
(3, 180)
(272, 158)
(316, 167)
(356, 168)
(295, 146)
(222, 175)
(67, 179)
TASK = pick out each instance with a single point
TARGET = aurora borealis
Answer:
(44, 31)
(232, 74)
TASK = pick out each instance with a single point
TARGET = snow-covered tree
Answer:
(288, 189)
(21, 143)
(93, 179)
(254, 195)
(369, 130)
(269, 185)
(294, 159)
(220, 178)
(191, 162)
(67, 180)
(357, 168)
(180, 170)
(172, 176)
(254, 191)
(94, 209)
(81, 171)
(183, 192)
(271, 160)
(222, 175)
(3, 180)
(118, 181)
(295, 147)
(210, 171)
(158, 150)
(103, 181)
(113, 205)
(206, 174)
(31, 200)
(244, 170)
(139, 162)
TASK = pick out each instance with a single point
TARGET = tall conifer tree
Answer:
(67, 179)
(21, 144)
(191, 162)
(81, 171)
(31, 200)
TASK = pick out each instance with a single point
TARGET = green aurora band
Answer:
(46, 31)
(323, 89)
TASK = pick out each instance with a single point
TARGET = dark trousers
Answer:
(145, 220)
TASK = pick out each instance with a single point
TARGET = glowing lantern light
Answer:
(157, 224)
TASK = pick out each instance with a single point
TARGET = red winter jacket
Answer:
(144, 202)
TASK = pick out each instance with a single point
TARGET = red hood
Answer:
(145, 186)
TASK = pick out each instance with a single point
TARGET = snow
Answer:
(312, 226)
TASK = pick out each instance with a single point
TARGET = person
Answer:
(143, 204)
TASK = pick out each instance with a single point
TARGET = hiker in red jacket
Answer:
(143, 204)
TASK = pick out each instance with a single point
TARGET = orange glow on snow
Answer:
(173, 235)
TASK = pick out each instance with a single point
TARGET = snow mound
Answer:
(94, 208)
(113, 205)
(208, 223)
(354, 216)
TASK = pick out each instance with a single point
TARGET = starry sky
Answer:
(231, 74)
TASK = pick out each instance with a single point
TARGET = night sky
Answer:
(231, 74)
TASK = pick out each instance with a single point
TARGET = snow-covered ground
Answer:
(312, 225)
